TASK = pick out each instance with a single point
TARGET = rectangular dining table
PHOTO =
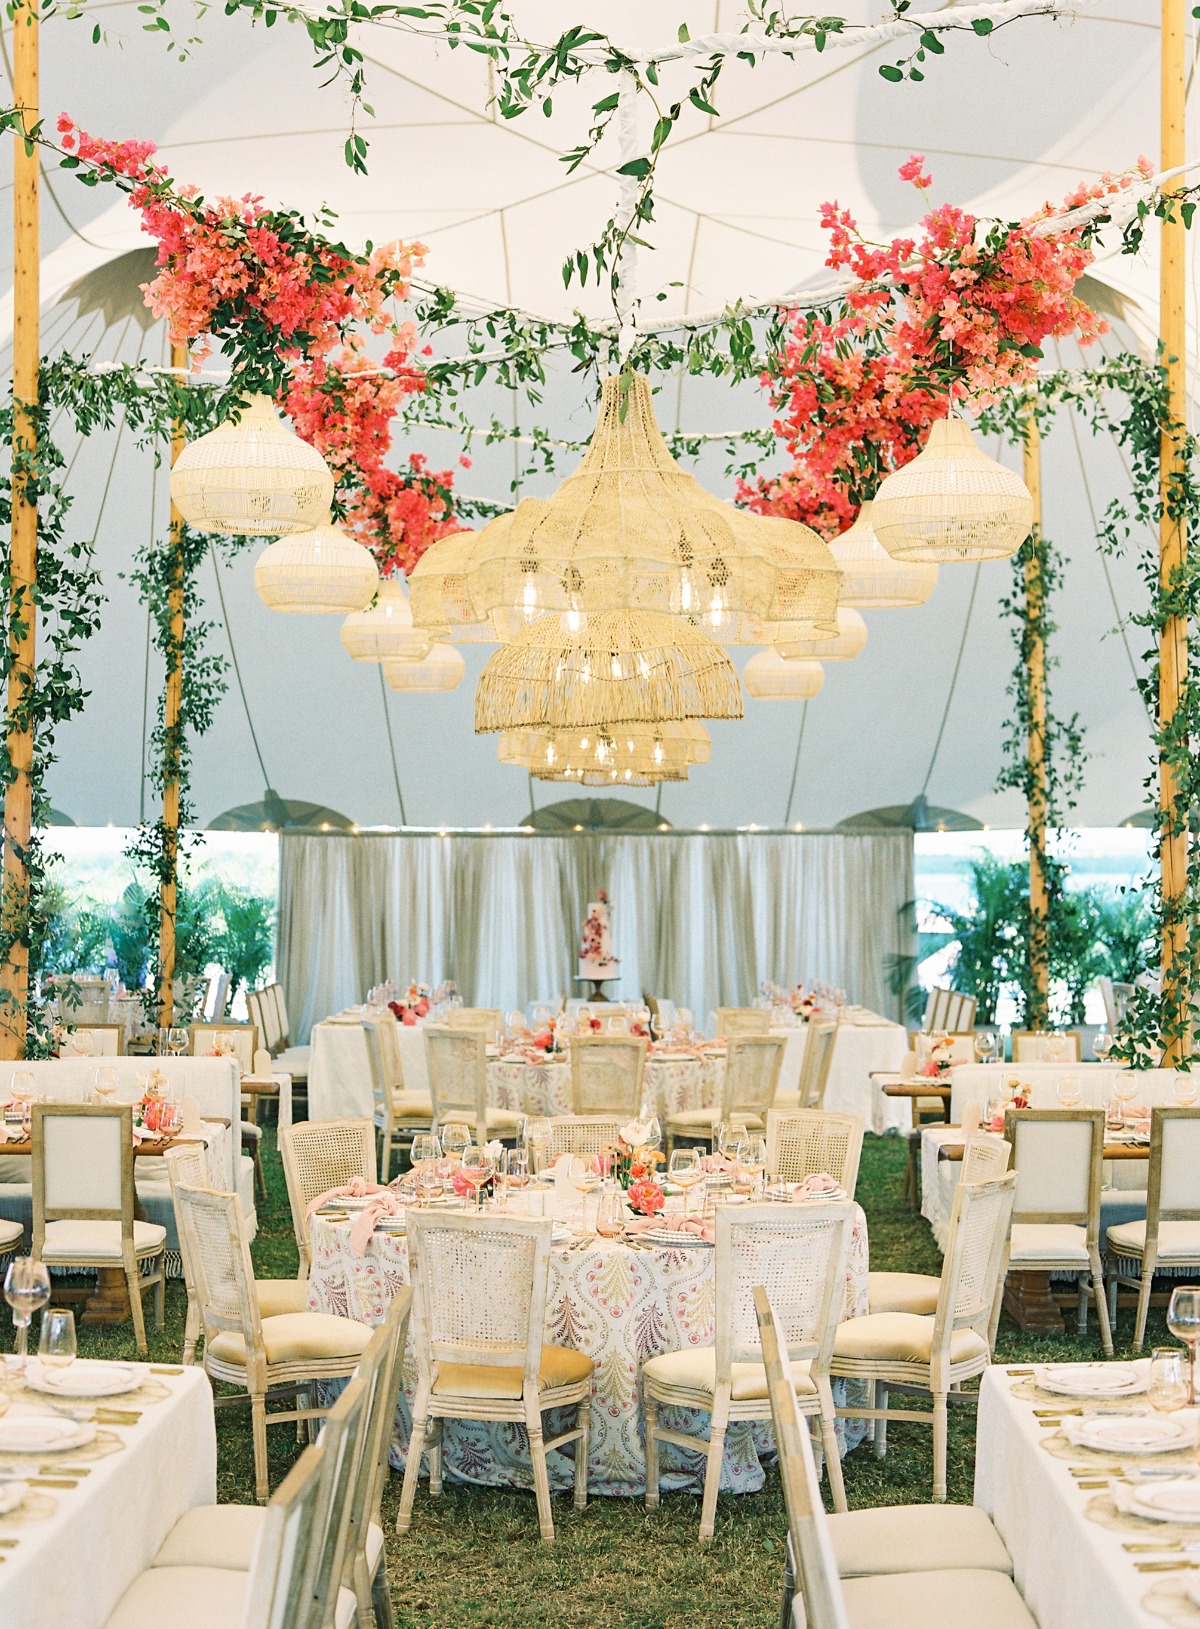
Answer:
(71, 1553)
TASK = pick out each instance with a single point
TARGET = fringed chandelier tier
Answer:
(317, 571)
(871, 578)
(770, 676)
(850, 641)
(952, 502)
(613, 667)
(631, 529)
(442, 669)
(385, 632)
(623, 755)
(252, 477)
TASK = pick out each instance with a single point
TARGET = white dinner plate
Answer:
(1091, 1379)
(1169, 1501)
(673, 1236)
(12, 1494)
(84, 1378)
(1131, 1433)
(42, 1433)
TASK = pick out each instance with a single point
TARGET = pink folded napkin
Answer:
(817, 1182)
(674, 1224)
(357, 1188)
(384, 1203)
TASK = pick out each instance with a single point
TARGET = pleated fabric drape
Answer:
(699, 918)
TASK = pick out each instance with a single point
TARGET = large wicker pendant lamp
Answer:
(871, 578)
(613, 667)
(385, 632)
(252, 477)
(439, 586)
(318, 571)
(630, 528)
(770, 676)
(952, 502)
(621, 755)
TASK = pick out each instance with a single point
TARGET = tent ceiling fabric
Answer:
(1005, 124)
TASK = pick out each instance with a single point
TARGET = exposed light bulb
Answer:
(529, 602)
(658, 752)
(574, 621)
(616, 669)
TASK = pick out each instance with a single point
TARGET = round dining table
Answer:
(619, 1301)
(675, 1082)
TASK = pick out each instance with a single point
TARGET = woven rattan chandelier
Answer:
(770, 676)
(252, 477)
(850, 641)
(614, 667)
(623, 755)
(385, 632)
(871, 578)
(629, 528)
(320, 570)
(442, 669)
(952, 502)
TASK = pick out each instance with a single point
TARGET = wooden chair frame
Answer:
(474, 1115)
(1160, 1120)
(941, 1377)
(583, 1047)
(430, 1408)
(187, 1166)
(781, 1121)
(1069, 1035)
(90, 1028)
(1089, 1219)
(381, 1368)
(297, 1147)
(720, 1404)
(129, 1259)
(816, 1063)
(733, 1021)
(394, 1118)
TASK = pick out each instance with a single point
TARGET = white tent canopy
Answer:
(1005, 124)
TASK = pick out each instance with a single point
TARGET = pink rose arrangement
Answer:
(646, 1197)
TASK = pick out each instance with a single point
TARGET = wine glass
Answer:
(1183, 1090)
(1125, 1089)
(21, 1092)
(585, 1173)
(177, 1040)
(56, 1346)
(83, 1043)
(984, 1042)
(610, 1212)
(106, 1082)
(455, 1138)
(752, 1160)
(424, 1155)
(478, 1167)
(1102, 1045)
(537, 1136)
(1070, 1093)
(26, 1289)
(685, 1172)
(1168, 1388)
(1183, 1320)
(730, 1137)
(514, 1169)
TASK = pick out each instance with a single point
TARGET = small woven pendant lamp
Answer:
(442, 669)
(318, 571)
(385, 632)
(871, 578)
(952, 502)
(629, 528)
(615, 667)
(769, 676)
(850, 641)
(252, 477)
(624, 755)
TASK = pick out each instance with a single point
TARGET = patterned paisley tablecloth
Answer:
(617, 1304)
(676, 1084)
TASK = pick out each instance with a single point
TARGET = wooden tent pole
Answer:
(1172, 533)
(22, 625)
(1039, 911)
(172, 705)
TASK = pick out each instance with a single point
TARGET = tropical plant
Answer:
(73, 934)
(1127, 932)
(243, 933)
(990, 933)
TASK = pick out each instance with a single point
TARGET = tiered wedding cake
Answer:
(596, 960)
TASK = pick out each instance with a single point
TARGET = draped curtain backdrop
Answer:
(699, 918)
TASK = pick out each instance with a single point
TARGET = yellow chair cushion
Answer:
(183, 1597)
(11, 1233)
(705, 1119)
(297, 1337)
(213, 1536)
(915, 1538)
(916, 1600)
(1177, 1241)
(99, 1241)
(279, 1295)
(412, 1106)
(560, 1366)
(1048, 1241)
(696, 1370)
(900, 1337)
(902, 1292)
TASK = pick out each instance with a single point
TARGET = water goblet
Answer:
(752, 1159)
(478, 1167)
(1183, 1090)
(685, 1172)
(1168, 1387)
(1124, 1090)
(514, 1170)
(1070, 1093)
(1183, 1320)
(610, 1212)
(1102, 1045)
(56, 1345)
(537, 1136)
(586, 1174)
(26, 1289)
(177, 1040)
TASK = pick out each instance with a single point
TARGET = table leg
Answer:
(1028, 1301)
(109, 1302)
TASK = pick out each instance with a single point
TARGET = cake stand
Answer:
(597, 993)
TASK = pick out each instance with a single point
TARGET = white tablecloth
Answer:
(675, 1084)
(70, 1571)
(339, 1077)
(865, 1045)
(1072, 1571)
(976, 1082)
(617, 1304)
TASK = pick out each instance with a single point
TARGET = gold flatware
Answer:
(1167, 1544)
(1167, 1566)
(164, 1368)
(1097, 1470)
(1044, 1413)
(65, 1470)
(1100, 1484)
(8, 1544)
(1020, 1371)
(52, 1482)
(117, 1416)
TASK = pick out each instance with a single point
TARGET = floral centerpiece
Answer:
(412, 1005)
(804, 1003)
(550, 1040)
(937, 1056)
(155, 1105)
(634, 1165)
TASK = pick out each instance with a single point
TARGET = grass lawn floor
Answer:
(473, 1559)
